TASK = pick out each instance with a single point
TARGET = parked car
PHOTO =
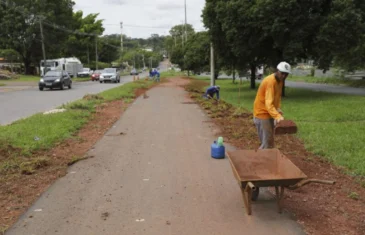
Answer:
(109, 75)
(134, 72)
(55, 79)
(96, 75)
(85, 73)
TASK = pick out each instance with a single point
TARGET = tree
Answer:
(177, 57)
(175, 43)
(267, 32)
(233, 46)
(110, 48)
(178, 31)
(197, 52)
(82, 46)
(20, 27)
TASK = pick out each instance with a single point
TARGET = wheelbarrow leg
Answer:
(247, 196)
(247, 200)
(279, 197)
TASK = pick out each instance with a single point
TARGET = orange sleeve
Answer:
(269, 101)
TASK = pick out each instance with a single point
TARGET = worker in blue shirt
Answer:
(154, 73)
(157, 74)
(211, 91)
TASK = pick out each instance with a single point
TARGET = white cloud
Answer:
(141, 18)
(116, 2)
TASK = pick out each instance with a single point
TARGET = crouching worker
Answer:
(211, 91)
(157, 75)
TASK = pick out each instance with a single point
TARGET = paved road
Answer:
(23, 100)
(327, 88)
(167, 185)
(340, 89)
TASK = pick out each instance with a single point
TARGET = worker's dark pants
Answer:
(206, 95)
(265, 130)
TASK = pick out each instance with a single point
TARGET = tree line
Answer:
(249, 33)
(66, 34)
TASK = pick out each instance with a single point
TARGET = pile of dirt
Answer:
(6, 75)
(286, 127)
(6, 150)
(321, 209)
(92, 97)
(140, 91)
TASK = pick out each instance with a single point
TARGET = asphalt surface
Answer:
(24, 99)
(327, 88)
(156, 179)
(339, 89)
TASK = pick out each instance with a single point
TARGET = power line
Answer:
(37, 18)
(138, 26)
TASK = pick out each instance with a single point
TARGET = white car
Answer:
(85, 73)
(109, 75)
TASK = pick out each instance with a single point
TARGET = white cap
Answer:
(284, 67)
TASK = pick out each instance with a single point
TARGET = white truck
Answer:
(85, 73)
(72, 65)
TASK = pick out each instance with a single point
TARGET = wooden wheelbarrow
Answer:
(266, 168)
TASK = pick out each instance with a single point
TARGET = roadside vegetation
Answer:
(20, 140)
(331, 125)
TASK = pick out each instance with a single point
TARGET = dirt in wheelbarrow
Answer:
(321, 209)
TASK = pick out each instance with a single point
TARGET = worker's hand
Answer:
(280, 111)
(278, 120)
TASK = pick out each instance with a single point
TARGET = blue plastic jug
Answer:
(218, 152)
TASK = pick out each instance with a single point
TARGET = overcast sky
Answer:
(136, 15)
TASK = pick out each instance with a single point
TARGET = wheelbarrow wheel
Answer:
(255, 194)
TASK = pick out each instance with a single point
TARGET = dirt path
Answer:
(156, 177)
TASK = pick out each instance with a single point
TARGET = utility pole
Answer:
(212, 81)
(121, 35)
(96, 52)
(186, 34)
(151, 62)
(144, 64)
(88, 56)
(43, 48)
(134, 61)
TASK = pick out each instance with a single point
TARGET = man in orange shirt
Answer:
(267, 112)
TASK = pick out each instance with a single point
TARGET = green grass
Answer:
(331, 125)
(335, 81)
(171, 73)
(26, 78)
(44, 131)
(126, 91)
(2, 84)
(48, 129)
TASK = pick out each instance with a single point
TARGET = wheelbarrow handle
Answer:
(308, 181)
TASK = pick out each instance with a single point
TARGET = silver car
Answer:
(109, 75)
